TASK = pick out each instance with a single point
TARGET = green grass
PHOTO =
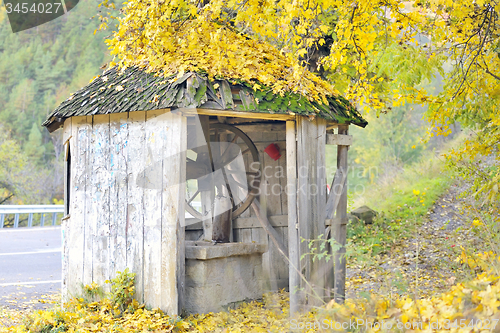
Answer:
(402, 202)
(411, 192)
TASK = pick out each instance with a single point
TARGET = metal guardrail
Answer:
(16, 210)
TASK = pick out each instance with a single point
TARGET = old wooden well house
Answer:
(202, 225)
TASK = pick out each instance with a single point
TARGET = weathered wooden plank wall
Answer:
(136, 163)
(173, 214)
(99, 195)
(153, 208)
(89, 221)
(116, 221)
(127, 203)
(79, 144)
(118, 152)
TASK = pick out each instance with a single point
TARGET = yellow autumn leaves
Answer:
(97, 316)
(220, 52)
(258, 42)
(467, 307)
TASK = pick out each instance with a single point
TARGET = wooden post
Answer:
(206, 185)
(318, 196)
(222, 219)
(339, 227)
(173, 212)
(293, 232)
(181, 223)
(336, 191)
(311, 202)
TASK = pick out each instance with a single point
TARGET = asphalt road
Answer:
(30, 265)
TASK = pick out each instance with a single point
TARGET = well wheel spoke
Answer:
(223, 157)
(194, 196)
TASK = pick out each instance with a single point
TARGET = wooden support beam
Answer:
(222, 220)
(293, 232)
(339, 139)
(340, 229)
(335, 221)
(237, 114)
(265, 127)
(236, 121)
(252, 222)
(243, 222)
(319, 197)
(336, 191)
(331, 124)
(311, 202)
(181, 134)
(207, 189)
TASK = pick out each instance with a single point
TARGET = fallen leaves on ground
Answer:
(467, 307)
(422, 263)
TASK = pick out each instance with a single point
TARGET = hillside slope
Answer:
(39, 68)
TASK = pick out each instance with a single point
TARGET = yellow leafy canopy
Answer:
(148, 37)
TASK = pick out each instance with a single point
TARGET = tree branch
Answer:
(495, 76)
(5, 199)
(478, 51)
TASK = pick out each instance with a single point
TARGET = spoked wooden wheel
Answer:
(236, 170)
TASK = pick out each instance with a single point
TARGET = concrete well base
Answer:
(221, 275)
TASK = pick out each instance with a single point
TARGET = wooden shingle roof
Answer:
(134, 89)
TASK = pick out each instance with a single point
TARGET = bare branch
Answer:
(478, 50)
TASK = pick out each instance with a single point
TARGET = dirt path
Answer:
(423, 264)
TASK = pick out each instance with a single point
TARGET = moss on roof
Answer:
(133, 89)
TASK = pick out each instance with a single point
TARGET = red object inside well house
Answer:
(273, 150)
